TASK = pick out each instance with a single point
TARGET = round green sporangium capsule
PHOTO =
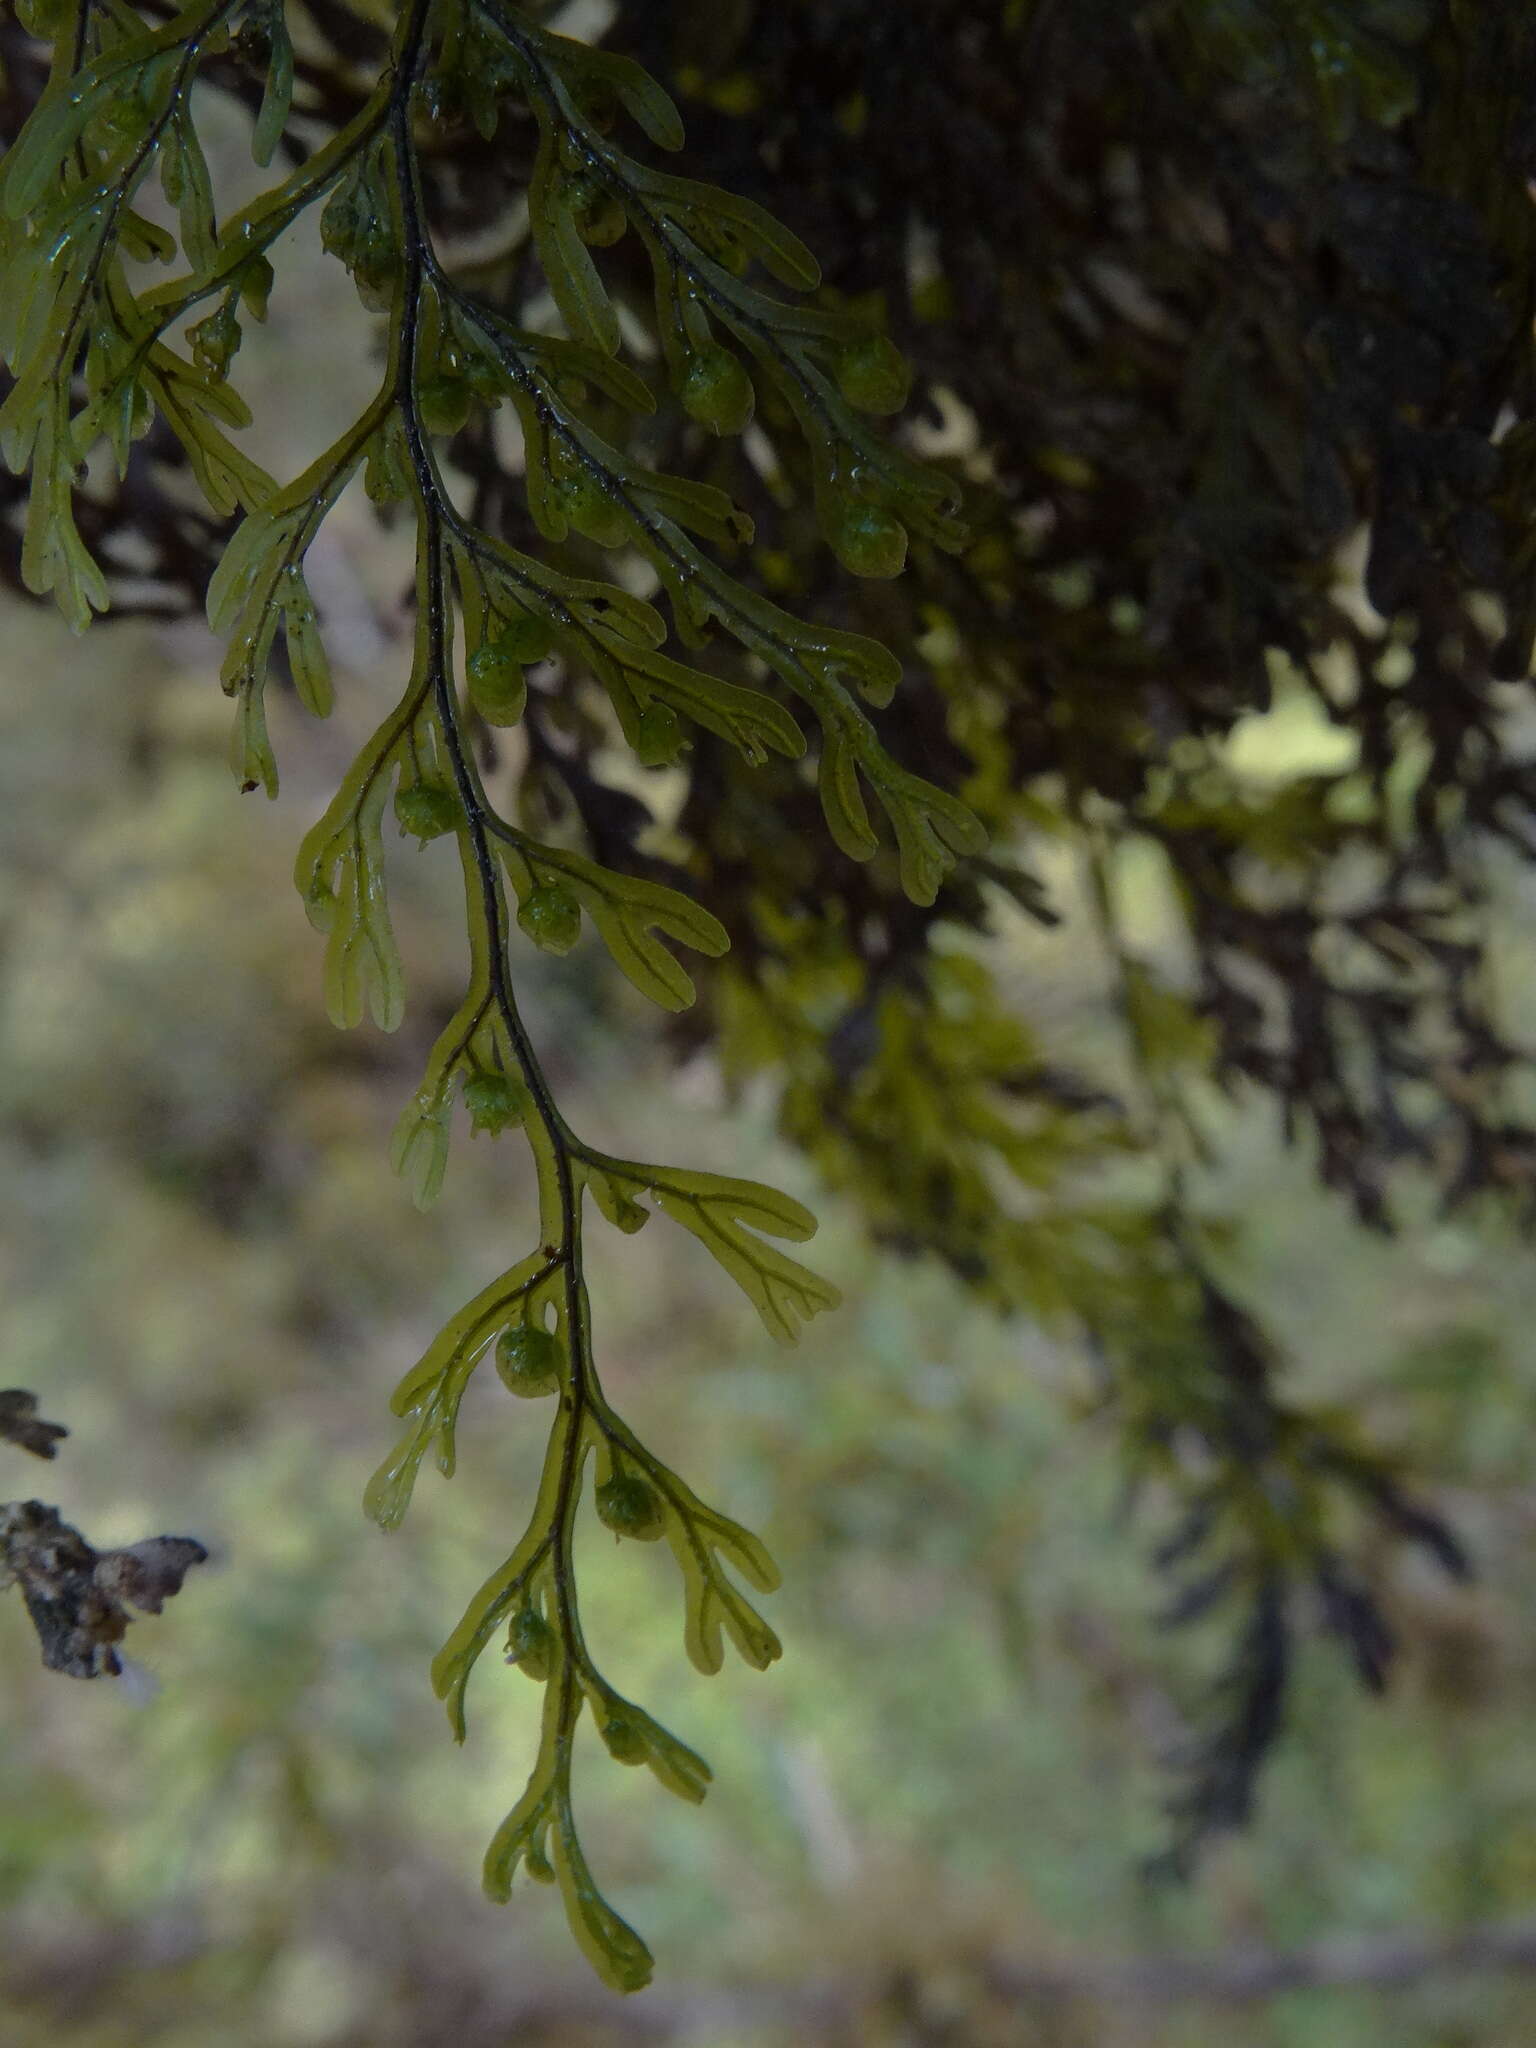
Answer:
(658, 736)
(484, 376)
(531, 1644)
(868, 541)
(498, 688)
(629, 1507)
(494, 1101)
(444, 403)
(873, 374)
(592, 512)
(717, 392)
(426, 810)
(529, 1360)
(600, 218)
(551, 917)
(626, 1745)
(525, 638)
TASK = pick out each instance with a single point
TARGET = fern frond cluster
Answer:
(1211, 294)
(97, 358)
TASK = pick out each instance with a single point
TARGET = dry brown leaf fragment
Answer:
(21, 1425)
(78, 1596)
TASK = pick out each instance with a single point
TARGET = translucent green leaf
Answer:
(641, 96)
(699, 508)
(628, 913)
(850, 660)
(54, 558)
(144, 241)
(573, 277)
(258, 225)
(616, 379)
(522, 1839)
(465, 1336)
(616, 1203)
(748, 718)
(387, 1495)
(359, 225)
(306, 651)
(419, 1149)
(704, 1542)
(510, 1582)
(750, 225)
(754, 1203)
(521, 583)
(277, 97)
(429, 1395)
(259, 573)
(38, 273)
(723, 1213)
(44, 19)
(362, 961)
(216, 339)
(387, 477)
(609, 1943)
(933, 831)
(680, 1769)
(340, 874)
(244, 559)
(842, 800)
(35, 162)
(713, 1606)
(188, 187)
(250, 750)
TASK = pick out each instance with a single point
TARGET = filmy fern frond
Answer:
(94, 359)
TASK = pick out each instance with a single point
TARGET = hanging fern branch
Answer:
(118, 106)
